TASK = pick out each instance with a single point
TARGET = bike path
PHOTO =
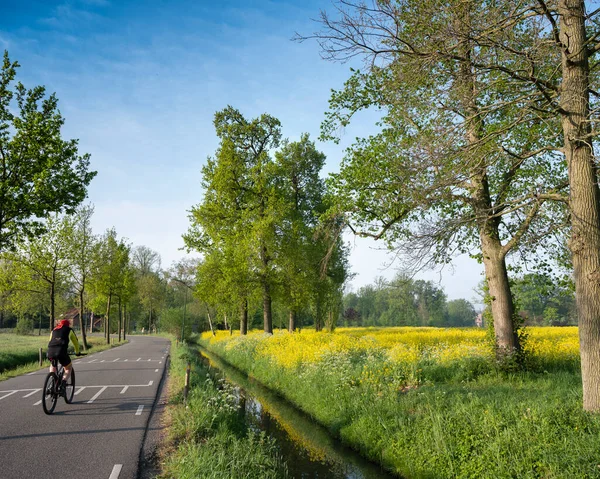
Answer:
(100, 434)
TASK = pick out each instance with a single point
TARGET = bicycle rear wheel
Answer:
(49, 393)
(70, 387)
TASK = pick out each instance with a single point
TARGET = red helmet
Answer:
(62, 322)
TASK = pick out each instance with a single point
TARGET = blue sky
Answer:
(139, 82)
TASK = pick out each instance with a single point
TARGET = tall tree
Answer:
(82, 247)
(238, 207)
(110, 267)
(301, 194)
(40, 173)
(47, 258)
(451, 170)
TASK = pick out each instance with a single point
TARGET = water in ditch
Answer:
(309, 450)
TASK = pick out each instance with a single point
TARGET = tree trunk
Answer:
(292, 323)
(244, 317)
(502, 305)
(212, 330)
(126, 325)
(83, 337)
(225, 321)
(318, 315)
(584, 194)
(107, 320)
(491, 248)
(52, 311)
(120, 318)
(91, 322)
(267, 313)
(1, 318)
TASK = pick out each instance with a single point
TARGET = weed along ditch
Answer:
(307, 448)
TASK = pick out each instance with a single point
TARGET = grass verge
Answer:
(20, 354)
(207, 438)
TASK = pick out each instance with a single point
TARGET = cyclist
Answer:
(57, 347)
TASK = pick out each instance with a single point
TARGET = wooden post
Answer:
(186, 389)
(41, 360)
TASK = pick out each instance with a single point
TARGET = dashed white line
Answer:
(156, 370)
(9, 394)
(96, 395)
(114, 361)
(38, 403)
(139, 410)
(31, 393)
(139, 359)
(31, 374)
(116, 471)
(79, 390)
(124, 389)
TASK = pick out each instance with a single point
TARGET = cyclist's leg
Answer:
(65, 360)
(53, 353)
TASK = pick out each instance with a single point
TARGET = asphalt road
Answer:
(101, 433)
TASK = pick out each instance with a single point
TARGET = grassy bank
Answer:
(208, 438)
(20, 354)
(428, 403)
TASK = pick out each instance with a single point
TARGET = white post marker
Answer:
(116, 471)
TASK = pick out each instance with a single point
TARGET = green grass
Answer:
(459, 423)
(20, 354)
(207, 438)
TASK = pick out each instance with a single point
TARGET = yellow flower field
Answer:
(397, 345)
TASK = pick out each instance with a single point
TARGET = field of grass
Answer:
(206, 438)
(429, 403)
(20, 354)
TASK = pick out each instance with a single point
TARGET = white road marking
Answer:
(150, 383)
(92, 361)
(116, 471)
(31, 374)
(139, 359)
(124, 389)
(38, 403)
(160, 362)
(116, 360)
(96, 395)
(102, 361)
(139, 410)
(31, 393)
(156, 370)
(81, 388)
(9, 394)
(149, 359)
(126, 360)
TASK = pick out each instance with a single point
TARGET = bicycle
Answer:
(54, 387)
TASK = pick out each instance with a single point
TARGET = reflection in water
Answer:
(309, 450)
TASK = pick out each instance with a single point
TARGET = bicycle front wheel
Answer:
(49, 393)
(70, 387)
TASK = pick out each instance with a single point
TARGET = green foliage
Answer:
(40, 172)
(258, 226)
(404, 301)
(24, 326)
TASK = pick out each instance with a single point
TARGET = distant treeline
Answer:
(404, 301)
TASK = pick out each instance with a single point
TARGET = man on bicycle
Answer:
(57, 347)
